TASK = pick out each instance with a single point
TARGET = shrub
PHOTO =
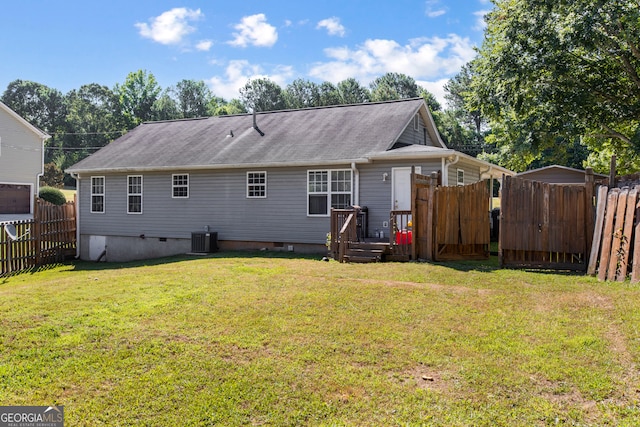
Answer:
(53, 176)
(52, 195)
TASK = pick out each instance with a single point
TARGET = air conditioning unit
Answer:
(204, 242)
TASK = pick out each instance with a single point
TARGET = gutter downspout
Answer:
(356, 184)
(77, 207)
(40, 175)
(445, 168)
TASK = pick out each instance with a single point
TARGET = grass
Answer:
(69, 193)
(237, 340)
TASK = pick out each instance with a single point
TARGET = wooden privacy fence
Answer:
(616, 242)
(546, 225)
(450, 223)
(48, 238)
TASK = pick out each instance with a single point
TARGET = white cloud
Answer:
(480, 22)
(170, 27)
(204, 45)
(238, 72)
(436, 88)
(434, 9)
(333, 26)
(254, 30)
(426, 58)
(430, 61)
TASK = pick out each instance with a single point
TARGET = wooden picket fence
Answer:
(615, 252)
(450, 223)
(50, 237)
(547, 226)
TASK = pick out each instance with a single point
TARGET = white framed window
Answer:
(134, 194)
(416, 122)
(180, 186)
(328, 189)
(257, 185)
(97, 194)
(460, 177)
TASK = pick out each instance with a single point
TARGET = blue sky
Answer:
(67, 43)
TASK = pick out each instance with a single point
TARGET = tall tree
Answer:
(302, 93)
(262, 95)
(329, 94)
(165, 107)
(137, 95)
(219, 107)
(351, 92)
(93, 120)
(192, 97)
(394, 86)
(561, 69)
(457, 90)
(42, 106)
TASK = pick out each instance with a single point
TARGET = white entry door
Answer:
(401, 190)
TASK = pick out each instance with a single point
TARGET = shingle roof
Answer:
(320, 135)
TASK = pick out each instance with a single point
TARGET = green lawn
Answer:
(240, 340)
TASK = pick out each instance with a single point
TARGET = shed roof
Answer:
(322, 135)
(557, 174)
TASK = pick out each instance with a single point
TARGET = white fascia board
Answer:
(219, 167)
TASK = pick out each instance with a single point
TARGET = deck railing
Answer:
(344, 229)
(401, 235)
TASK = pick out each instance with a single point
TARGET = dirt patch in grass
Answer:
(426, 378)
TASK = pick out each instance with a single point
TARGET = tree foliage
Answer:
(553, 71)
(394, 86)
(137, 95)
(352, 92)
(193, 98)
(52, 176)
(88, 118)
(263, 95)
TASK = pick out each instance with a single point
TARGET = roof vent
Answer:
(255, 124)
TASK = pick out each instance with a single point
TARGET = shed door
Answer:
(15, 199)
(401, 194)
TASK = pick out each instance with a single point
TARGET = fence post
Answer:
(503, 203)
(414, 210)
(589, 184)
(612, 172)
(431, 205)
(37, 238)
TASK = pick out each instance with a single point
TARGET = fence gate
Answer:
(451, 223)
(546, 225)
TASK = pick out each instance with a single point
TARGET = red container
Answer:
(403, 237)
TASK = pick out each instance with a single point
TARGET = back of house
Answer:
(265, 180)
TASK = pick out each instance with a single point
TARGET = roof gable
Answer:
(40, 134)
(323, 135)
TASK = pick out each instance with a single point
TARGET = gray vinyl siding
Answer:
(216, 199)
(471, 173)
(412, 136)
(20, 152)
(375, 193)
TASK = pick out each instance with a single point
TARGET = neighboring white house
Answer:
(263, 181)
(21, 162)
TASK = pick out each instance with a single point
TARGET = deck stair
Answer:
(367, 252)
